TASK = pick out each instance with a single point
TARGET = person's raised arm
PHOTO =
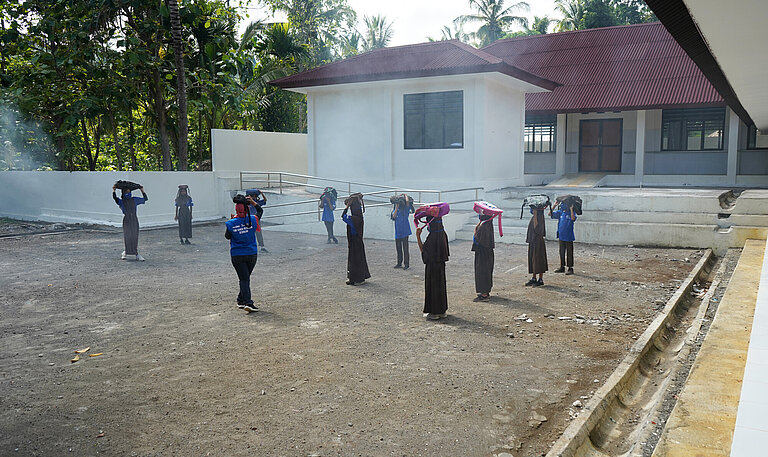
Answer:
(144, 194)
(573, 216)
(418, 238)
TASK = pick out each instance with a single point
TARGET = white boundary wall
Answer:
(85, 196)
(247, 150)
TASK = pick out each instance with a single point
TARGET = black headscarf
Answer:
(435, 248)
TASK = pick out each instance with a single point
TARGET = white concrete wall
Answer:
(356, 132)
(242, 150)
(85, 196)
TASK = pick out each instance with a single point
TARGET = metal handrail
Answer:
(281, 182)
(303, 213)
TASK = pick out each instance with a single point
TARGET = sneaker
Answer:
(329, 241)
(336, 241)
(560, 270)
(139, 258)
(251, 308)
(187, 242)
(531, 282)
(538, 283)
(263, 249)
(433, 317)
(350, 283)
(569, 272)
(406, 267)
(122, 256)
(181, 241)
(240, 305)
(398, 266)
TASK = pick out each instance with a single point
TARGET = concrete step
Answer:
(619, 199)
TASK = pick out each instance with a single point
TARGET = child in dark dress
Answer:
(537, 247)
(434, 254)
(483, 245)
(183, 215)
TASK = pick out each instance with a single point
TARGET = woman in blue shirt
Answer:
(241, 233)
(128, 205)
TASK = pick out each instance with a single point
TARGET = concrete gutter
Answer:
(576, 440)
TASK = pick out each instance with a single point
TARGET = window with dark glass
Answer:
(692, 129)
(434, 120)
(540, 133)
(756, 139)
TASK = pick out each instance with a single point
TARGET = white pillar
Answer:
(733, 146)
(640, 147)
(311, 151)
(560, 145)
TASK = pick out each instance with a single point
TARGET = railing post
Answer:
(241, 180)
(280, 175)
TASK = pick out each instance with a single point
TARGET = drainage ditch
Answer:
(626, 415)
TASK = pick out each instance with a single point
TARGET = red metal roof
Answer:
(609, 69)
(413, 61)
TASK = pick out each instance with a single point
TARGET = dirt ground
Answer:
(323, 369)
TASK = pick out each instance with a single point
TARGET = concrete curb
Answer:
(577, 434)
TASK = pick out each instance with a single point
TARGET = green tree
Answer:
(598, 13)
(378, 32)
(495, 18)
(632, 12)
(572, 12)
(319, 24)
(181, 88)
(541, 25)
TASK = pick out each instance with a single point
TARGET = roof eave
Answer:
(504, 68)
(676, 18)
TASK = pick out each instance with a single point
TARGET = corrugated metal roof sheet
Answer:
(609, 69)
(412, 61)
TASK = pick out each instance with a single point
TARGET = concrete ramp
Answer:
(585, 180)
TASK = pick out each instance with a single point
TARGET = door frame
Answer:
(600, 145)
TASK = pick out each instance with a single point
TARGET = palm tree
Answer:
(541, 24)
(378, 33)
(181, 87)
(457, 33)
(495, 17)
(573, 13)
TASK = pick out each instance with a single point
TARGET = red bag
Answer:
(437, 210)
(489, 209)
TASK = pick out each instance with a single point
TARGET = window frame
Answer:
(752, 139)
(534, 122)
(686, 119)
(415, 107)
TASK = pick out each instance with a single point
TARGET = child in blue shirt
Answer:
(399, 214)
(328, 204)
(241, 233)
(565, 219)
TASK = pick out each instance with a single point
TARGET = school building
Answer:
(616, 106)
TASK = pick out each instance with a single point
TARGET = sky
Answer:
(415, 20)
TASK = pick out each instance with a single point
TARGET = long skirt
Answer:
(185, 222)
(484, 260)
(131, 233)
(537, 256)
(435, 293)
(357, 265)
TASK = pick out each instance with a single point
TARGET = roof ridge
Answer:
(490, 58)
(569, 32)
(367, 53)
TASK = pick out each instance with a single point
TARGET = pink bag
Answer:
(489, 209)
(433, 209)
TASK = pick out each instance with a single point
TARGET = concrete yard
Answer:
(323, 368)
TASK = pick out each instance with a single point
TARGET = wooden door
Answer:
(600, 145)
